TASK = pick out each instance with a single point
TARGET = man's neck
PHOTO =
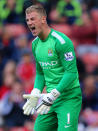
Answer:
(45, 32)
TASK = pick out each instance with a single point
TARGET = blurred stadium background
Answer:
(78, 19)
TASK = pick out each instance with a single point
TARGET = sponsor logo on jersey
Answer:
(68, 56)
(50, 52)
(66, 126)
(48, 65)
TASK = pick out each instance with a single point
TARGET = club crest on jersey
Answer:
(68, 56)
(50, 52)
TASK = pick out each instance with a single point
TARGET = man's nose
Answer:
(29, 22)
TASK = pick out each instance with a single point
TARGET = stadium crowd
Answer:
(77, 19)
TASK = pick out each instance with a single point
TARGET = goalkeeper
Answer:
(56, 69)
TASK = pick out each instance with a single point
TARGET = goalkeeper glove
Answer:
(47, 101)
(32, 100)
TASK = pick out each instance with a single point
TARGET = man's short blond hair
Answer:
(39, 8)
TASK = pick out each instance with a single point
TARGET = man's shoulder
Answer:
(63, 41)
(34, 43)
(59, 36)
(35, 40)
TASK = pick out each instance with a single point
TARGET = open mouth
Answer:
(32, 28)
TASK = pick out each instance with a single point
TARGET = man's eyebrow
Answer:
(30, 18)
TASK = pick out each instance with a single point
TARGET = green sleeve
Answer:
(78, 12)
(68, 60)
(60, 7)
(78, 9)
(4, 11)
(39, 79)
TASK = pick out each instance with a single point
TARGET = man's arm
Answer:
(67, 57)
(32, 99)
(39, 79)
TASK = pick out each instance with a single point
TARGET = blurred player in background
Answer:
(56, 69)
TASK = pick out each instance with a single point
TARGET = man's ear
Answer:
(44, 19)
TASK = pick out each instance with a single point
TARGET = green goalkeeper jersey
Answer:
(55, 63)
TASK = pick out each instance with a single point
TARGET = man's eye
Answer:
(32, 18)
